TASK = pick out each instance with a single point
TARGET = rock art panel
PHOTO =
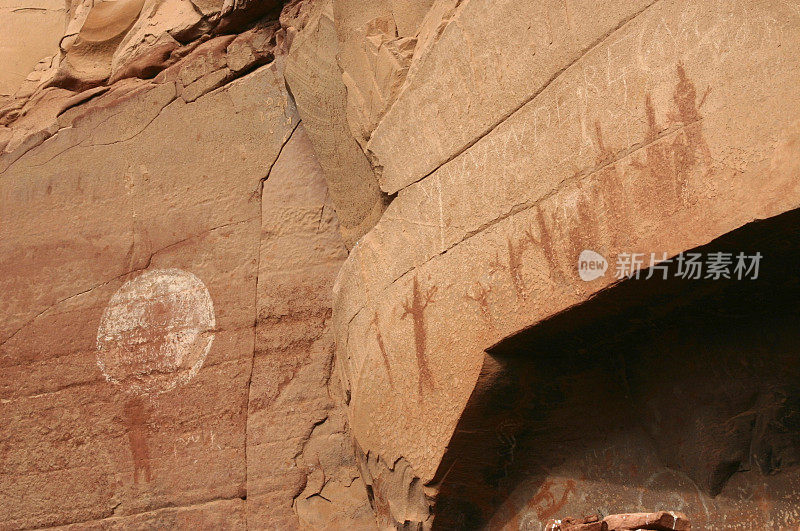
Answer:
(144, 233)
(636, 145)
(176, 276)
(472, 57)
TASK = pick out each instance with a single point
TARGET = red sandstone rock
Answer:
(660, 521)
(175, 284)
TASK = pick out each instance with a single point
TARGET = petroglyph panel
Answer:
(756, 503)
(606, 83)
(648, 142)
(609, 112)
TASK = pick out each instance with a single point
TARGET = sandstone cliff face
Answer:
(522, 134)
(312, 264)
(168, 251)
(31, 30)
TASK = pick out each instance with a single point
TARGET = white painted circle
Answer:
(156, 332)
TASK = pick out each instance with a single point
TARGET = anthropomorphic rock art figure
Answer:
(415, 308)
(154, 335)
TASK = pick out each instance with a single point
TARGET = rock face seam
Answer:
(372, 157)
(255, 297)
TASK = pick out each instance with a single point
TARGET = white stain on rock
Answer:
(156, 332)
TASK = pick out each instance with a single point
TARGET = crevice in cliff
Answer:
(135, 134)
(256, 317)
(662, 387)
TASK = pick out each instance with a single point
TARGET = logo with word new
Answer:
(591, 265)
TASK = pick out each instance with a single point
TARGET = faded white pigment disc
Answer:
(156, 332)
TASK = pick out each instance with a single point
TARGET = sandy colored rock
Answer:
(663, 520)
(191, 72)
(474, 80)
(31, 31)
(223, 514)
(300, 454)
(315, 80)
(125, 454)
(252, 48)
(375, 44)
(107, 41)
(651, 150)
(99, 29)
(217, 314)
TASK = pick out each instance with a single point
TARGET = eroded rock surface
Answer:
(32, 29)
(273, 264)
(315, 80)
(167, 251)
(633, 138)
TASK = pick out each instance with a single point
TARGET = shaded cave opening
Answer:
(655, 394)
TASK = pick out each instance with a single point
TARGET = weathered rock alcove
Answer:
(656, 394)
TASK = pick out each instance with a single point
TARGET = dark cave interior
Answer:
(698, 377)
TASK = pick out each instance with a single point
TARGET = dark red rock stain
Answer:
(663, 175)
(415, 308)
(545, 503)
(516, 249)
(545, 242)
(136, 418)
(382, 348)
(691, 141)
(582, 235)
(513, 264)
(481, 297)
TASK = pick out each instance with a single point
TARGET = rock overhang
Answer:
(650, 149)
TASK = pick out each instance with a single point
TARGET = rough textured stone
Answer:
(123, 455)
(375, 44)
(472, 78)
(107, 41)
(298, 445)
(218, 316)
(663, 521)
(660, 521)
(32, 29)
(103, 201)
(315, 80)
(644, 141)
(222, 514)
